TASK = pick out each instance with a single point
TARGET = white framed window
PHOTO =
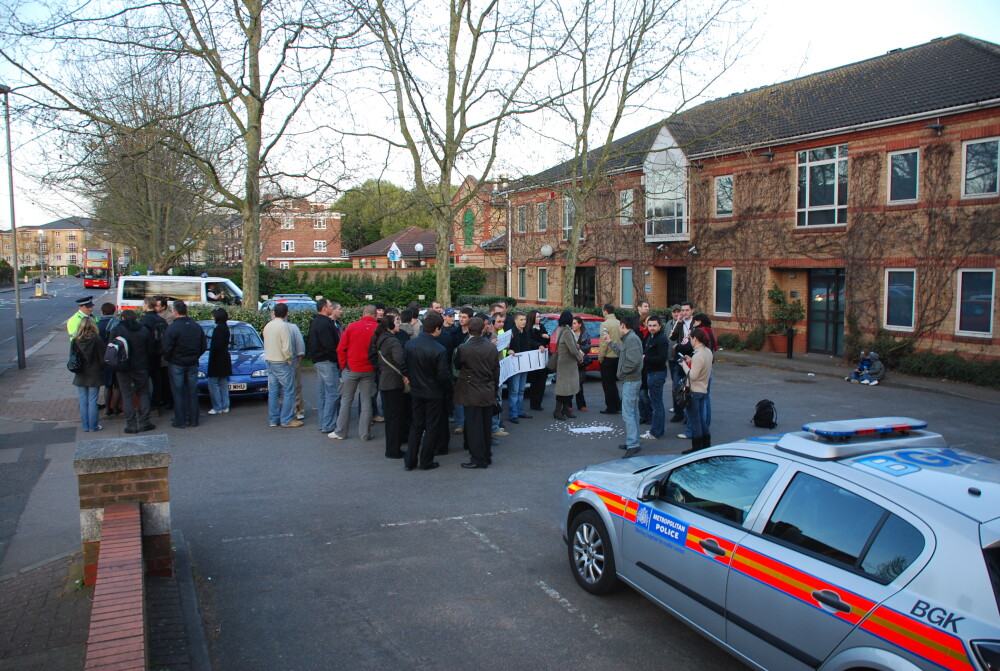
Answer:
(976, 292)
(522, 218)
(522, 282)
(568, 217)
(543, 284)
(344, 252)
(626, 198)
(287, 224)
(627, 292)
(71, 236)
(319, 245)
(666, 202)
(542, 214)
(904, 176)
(319, 225)
(724, 291)
(58, 246)
(72, 259)
(980, 168)
(724, 196)
(288, 245)
(900, 296)
(822, 186)
(284, 265)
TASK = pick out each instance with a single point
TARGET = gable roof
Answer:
(935, 77)
(405, 239)
(940, 75)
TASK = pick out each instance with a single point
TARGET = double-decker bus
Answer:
(97, 269)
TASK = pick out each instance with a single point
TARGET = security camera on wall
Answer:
(660, 247)
(693, 249)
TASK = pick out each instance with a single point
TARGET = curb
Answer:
(37, 564)
(197, 642)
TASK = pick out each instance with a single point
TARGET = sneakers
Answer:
(378, 419)
(866, 382)
(648, 436)
(214, 412)
(274, 426)
(847, 379)
(500, 434)
(293, 424)
(459, 430)
(300, 415)
(684, 436)
(873, 383)
(334, 435)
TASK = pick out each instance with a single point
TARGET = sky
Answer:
(793, 38)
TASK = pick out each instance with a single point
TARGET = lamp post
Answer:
(18, 320)
(419, 249)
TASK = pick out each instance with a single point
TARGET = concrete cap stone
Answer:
(121, 454)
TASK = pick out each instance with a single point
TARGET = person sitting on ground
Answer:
(864, 363)
(875, 373)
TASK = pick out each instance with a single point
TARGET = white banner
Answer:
(522, 362)
(503, 340)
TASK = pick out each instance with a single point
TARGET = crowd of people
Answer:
(427, 372)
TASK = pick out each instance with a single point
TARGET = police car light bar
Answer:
(850, 428)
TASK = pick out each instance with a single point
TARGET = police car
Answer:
(855, 544)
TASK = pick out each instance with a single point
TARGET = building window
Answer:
(627, 290)
(822, 191)
(666, 203)
(522, 218)
(284, 265)
(58, 246)
(288, 245)
(319, 225)
(542, 211)
(71, 236)
(287, 224)
(626, 197)
(71, 247)
(724, 196)
(543, 284)
(72, 259)
(903, 176)
(344, 252)
(319, 245)
(724, 291)
(568, 218)
(981, 164)
(522, 282)
(975, 302)
(469, 226)
(899, 295)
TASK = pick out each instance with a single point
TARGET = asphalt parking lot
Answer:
(316, 554)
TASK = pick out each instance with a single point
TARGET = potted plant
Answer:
(784, 316)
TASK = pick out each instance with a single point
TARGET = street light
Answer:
(419, 249)
(18, 320)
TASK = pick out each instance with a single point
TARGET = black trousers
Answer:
(395, 421)
(479, 434)
(134, 385)
(536, 392)
(425, 430)
(609, 380)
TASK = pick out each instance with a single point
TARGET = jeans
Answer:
(218, 391)
(352, 383)
(695, 412)
(280, 382)
(134, 384)
(706, 409)
(88, 407)
(328, 397)
(630, 412)
(645, 404)
(184, 383)
(459, 415)
(656, 380)
(515, 394)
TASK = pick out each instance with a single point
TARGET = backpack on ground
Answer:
(116, 354)
(765, 416)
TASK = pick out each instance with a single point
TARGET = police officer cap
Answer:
(85, 302)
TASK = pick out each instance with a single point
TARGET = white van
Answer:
(133, 290)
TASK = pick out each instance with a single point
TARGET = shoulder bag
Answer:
(75, 362)
(406, 384)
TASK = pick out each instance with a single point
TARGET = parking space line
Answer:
(483, 537)
(456, 518)
(564, 602)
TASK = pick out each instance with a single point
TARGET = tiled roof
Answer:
(939, 75)
(942, 74)
(405, 240)
(80, 223)
(497, 242)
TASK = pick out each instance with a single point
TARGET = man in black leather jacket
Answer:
(430, 383)
(183, 344)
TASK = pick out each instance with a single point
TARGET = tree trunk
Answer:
(442, 238)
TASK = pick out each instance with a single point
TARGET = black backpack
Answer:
(116, 355)
(765, 416)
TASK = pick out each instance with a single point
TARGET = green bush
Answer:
(483, 299)
(730, 341)
(952, 367)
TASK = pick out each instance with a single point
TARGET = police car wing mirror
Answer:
(651, 491)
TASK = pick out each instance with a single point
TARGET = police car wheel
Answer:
(590, 556)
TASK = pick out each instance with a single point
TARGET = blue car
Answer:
(246, 349)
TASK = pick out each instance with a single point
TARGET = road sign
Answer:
(394, 253)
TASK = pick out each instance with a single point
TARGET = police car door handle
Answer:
(831, 599)
(712, 545)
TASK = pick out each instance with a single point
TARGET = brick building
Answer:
(292, 233)
(480, 228)
(375, 255)
(869, 192)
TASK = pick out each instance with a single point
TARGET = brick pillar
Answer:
(119, 470)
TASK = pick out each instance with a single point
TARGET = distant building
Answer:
(292, 233)
(479, 232)
(376, 254)
(56, 245)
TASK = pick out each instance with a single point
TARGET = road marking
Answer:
(456, 518)
(483, 537)
(564, 602)
(256, 538)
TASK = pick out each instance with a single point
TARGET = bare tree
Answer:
(490, 56)
(262, 61)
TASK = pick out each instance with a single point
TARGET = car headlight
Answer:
(259, 373)
(201, 375)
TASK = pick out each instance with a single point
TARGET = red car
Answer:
(591, 322)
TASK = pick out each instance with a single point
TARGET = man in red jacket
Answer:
(356, 374)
